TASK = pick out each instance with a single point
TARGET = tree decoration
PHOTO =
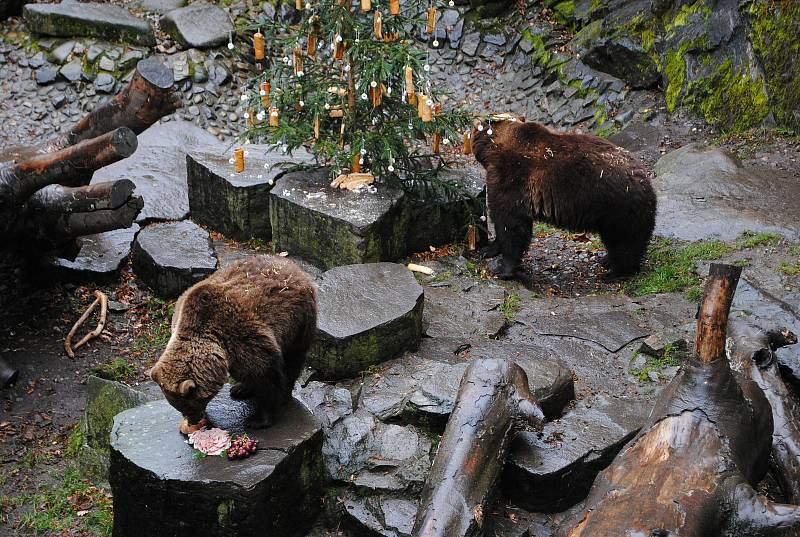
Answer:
(331, 78)
(468, 143)
(431, 26)
(258, 46)
(238, 160)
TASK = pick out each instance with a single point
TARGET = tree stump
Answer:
(161, 488)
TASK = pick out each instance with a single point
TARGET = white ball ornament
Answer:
(230, 46)
(489, 132)
(426, 68)
(435, 42)
(231, 160)
(480, 128)
(364, 96)
(390, 168)
(327, 106)
(302, 103)
(373, 84)
(262, 93)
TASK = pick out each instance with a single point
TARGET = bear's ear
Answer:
(187, 387)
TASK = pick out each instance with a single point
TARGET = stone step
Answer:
(331, 227)
(161, 488)
(368, 314)
(173, 256)
(236, 204)
(100, 255)
(78, 19)
(200, 25)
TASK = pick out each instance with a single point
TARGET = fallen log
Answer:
(752, 354)
(691, 469)
(493, 402)
(100, 299)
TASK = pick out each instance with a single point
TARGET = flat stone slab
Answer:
(236, 204)
(367, 314)
(100, 255)
(154, 471)
(105, 21)
(380, 516)
(161, 6)
(158, 168)
(553, 470)
(332, 227)
(703, 192)
(421, 388)
(173, 256)
(200, 25)
(453, 311)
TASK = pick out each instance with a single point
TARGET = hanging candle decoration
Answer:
(394, 7)
(424, 107)
(468, 143)
(316, 127)
(376, 94)
(336, 112)
(431, 26)
(356, 168)
(472, 237)
(366, 5)
(409, 80)
(436, 143)
(274, 117)
(338, 48)
(297, 61)
(437, 110)
(377, 26)
(238, 160)
(258, 46)
(266, 87)
(298, 4)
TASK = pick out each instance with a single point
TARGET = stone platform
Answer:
(367, 314)
(161, 488)
(236, 204)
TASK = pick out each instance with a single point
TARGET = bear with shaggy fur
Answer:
(572, 181)
(253, 320)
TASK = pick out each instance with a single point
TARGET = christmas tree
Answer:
(349, 82)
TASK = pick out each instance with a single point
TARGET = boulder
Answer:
(158, 168)
(161, 6)
(379, 516)
(235, 204)
(624, 59)
(200, 25)
(100, 255)
(275, 491)
(104, 21)
(705, 192)
(472, 311)
(367, 314)
(331, 227)
(173, 256)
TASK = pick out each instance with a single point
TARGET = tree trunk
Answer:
(493, 401)
(691, 470)
(752, 354)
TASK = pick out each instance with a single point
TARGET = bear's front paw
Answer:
(491, 250)
(240, 391)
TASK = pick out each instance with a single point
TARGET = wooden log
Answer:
(493, 402)
(149, 96)
(691, 469)
(64, 199)
(751, 351)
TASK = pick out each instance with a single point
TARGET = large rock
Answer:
(173, 256)
(104, 400)
(158, 168)
(624, 59)
(704, 192)
(552, 470)
(106, 21)
(367, 314)
(236, 204)
(379, 516)
(331, 227)
(161, 6)
(422, 388)
(100, 255)
(276, 491)
(453, 311)
(199, 25)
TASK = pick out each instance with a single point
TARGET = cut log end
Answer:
(124, 142)
(155, 73)
(712, 319)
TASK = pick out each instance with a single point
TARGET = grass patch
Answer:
(790, 269)
(670, 267)
(656, 364)
(751, 239)
(155, 331)
(117, 369)
(442, 276)
(257, 244)
(540, 230)
(73, 503)
(510, 306)
(74, 443)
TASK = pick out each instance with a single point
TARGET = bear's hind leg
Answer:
(514, 231)
(241, 390)
(625, 255)
(268, 399)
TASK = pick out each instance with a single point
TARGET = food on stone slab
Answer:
(188, 428)
(242, 447)
(210, 441)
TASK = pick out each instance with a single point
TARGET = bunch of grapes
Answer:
(242, 447)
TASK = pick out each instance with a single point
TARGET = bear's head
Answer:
(193, 367)
(491, 133)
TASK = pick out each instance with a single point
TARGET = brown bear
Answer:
(253, 320)
(572, 181)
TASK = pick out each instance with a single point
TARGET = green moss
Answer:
(565, 11)
(75, 442)
(675, 73)
(670, 356)
(510, 306)
(776, 27)
(648, 39)
(751, 239)
(117, 369)
(729, 100)
(790, 269)
(223, 512)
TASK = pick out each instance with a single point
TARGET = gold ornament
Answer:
(266, 88)
(431, 20)
(274, 117)
(258, 45)
(377, 26)
(472, 237)
(316, 127)
(409, 81)
(376, 95)
(297, 60)
(366, 5)
(238, 160)
(394, 7)
(468, 143)
(298, 4)
(356, 167)
(437, 141)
